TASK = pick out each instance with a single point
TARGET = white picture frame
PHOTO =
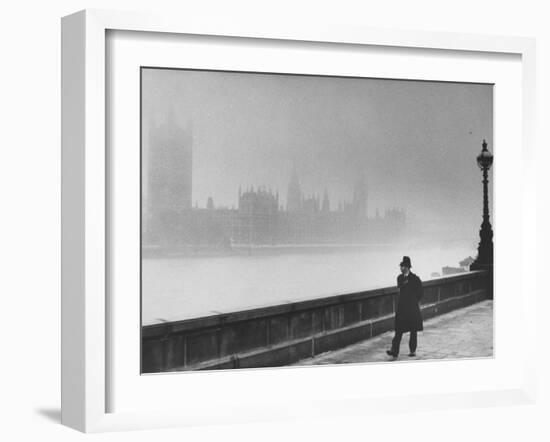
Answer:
(86, 316)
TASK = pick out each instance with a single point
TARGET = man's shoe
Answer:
(412, 355)
(391, 353)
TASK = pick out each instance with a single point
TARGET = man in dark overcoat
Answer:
(408, 317)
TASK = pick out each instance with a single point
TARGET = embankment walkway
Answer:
(462, 333)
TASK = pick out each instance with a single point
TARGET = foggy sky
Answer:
(416, 142)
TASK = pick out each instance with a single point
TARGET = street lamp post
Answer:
(484, 260)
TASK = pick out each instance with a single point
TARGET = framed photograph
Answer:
(263, 222)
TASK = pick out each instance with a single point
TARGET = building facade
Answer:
(259, 217)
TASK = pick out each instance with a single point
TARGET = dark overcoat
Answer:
(407, 315)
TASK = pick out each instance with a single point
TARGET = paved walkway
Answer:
(463, 333)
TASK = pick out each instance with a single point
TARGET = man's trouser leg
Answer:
(396, 342)
(413, 341)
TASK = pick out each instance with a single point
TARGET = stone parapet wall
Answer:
(283, 334)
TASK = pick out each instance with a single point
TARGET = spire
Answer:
(360, 196)
(326, 204)
(294, 193)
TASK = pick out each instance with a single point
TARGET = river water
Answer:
(189, 287)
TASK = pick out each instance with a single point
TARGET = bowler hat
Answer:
(406, 262)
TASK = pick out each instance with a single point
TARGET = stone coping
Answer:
(221, 319)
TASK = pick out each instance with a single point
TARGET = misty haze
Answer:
(264, 189)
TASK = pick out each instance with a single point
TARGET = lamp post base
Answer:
(489, 268)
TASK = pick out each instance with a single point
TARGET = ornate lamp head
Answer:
(485, 158)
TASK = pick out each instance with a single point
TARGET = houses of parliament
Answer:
(170, 219)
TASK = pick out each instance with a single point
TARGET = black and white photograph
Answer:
(293, 220)
(275, 221)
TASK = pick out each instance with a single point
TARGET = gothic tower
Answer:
(294, 193)
(360, 194)
(326, 204)
(169, 175)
